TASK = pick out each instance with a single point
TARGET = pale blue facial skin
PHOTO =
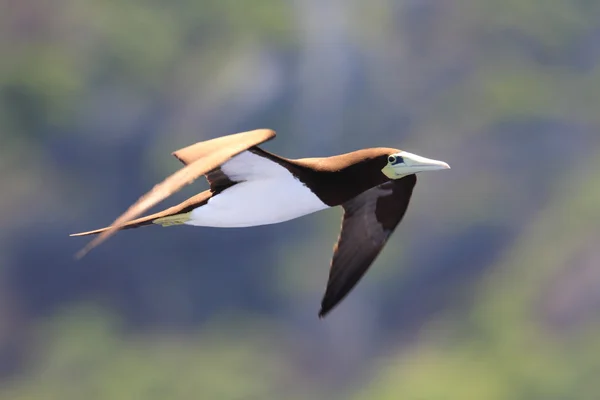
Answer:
(404, 163)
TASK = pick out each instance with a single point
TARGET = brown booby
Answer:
(250, 186)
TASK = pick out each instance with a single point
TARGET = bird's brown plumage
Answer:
(337, 179)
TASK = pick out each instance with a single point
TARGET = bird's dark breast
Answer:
(335, 180)
(337, 187)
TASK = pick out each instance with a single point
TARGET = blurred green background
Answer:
(489, 290)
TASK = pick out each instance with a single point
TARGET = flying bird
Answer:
(250, 187)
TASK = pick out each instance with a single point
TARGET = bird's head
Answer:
(403, 163)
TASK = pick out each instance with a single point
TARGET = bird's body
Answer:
(250, 186)
(264, 193)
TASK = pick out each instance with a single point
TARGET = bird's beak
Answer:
(404, 163)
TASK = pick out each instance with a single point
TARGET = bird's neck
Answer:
(337, 179)
(337, 187)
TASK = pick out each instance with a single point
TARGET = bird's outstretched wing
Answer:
(243, 140)
(200, 158)
(184, 207)
(369, 220)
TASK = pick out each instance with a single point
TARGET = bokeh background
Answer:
(489, 290)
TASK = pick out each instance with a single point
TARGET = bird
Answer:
(250, 186)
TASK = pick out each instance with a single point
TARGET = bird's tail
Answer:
(175, 215)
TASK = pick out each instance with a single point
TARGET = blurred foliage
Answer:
(487, 291)
(90, 356)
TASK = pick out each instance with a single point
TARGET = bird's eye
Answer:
(395, 160)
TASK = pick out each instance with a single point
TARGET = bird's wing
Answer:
(218, 179)
(369, 220)
(200, 158)
(199, 150)
(193, 202)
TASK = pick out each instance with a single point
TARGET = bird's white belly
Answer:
(257, 202)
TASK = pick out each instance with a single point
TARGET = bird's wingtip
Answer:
(80, 254)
